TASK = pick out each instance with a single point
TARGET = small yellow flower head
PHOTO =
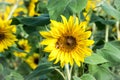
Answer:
(33, 60)
(92, 4)
(13, 27)
(4, 14)
(23, 44)
(20, 54)
(34, 1)
(7, 38)
(20, 10)
(67, 41)
(11, 1)
(31, 8)
(87, 17)
(5, 21)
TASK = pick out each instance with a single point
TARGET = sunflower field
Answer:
(59, 39)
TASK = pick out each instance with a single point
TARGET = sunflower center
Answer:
(36, 60)
(70, 41)
(2, 36)
(66, 43)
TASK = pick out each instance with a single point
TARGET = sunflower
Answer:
(20, 11)
(33, 60)
(4, 18)
(23, 45)
(11, 1)
(20, 54)
(92, 4)
(5, 13)
(67, 41)
(7, 38)
(31, 8)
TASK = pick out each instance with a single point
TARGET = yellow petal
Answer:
(54, 24)
(66, 56)
(62, 57)
(53, 55)
(45, 34)
(64, 19)
(48, 41)
(75, 57)
(86, 42)
(76, 21)
(71, 60)
(88, 51)
(87, 34)
(49, 48)
(57, 58)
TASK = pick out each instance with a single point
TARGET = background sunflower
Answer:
(7, 38)
(33, 60)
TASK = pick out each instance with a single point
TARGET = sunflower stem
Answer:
(71, 69)
(93, 32)
(106, 33)
(118, 32)
(60, 73)
(68, 72)
(13, 9)
(75, 70)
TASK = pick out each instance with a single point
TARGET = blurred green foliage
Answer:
(103, 64)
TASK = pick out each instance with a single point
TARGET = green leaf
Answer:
(31, 24)
(1, 68)
(104, 74)
(93, 69)
(23, 69)
(14, 76)
(95, 59)
(76, 78)
(111, 52)
(87, 77)
(101, 72)
(32, 21)
(41, 7)
(77, 5)
(110, 10)
(56, 7)
(117, 4)
(1, 72)
(84, 77)
(40, 70)
(114, 43)
(95, 18)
